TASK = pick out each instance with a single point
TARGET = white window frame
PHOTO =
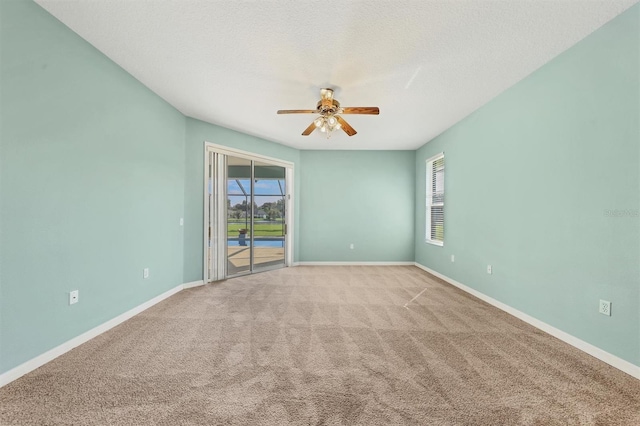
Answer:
(429, 200)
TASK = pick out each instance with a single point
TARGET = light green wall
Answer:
(360, 197)
(197, 133)
(95, 172)
(529, 178)
(91, 190)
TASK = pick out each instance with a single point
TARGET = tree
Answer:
(272, 213)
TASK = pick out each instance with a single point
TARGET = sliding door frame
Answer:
(220, 213)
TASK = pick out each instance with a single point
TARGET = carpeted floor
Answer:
(322, 346)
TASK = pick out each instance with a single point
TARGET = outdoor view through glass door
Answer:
(256, 216)
(247, 200)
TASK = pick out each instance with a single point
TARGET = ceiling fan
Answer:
(329, 120)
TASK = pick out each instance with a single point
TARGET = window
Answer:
(435, 200)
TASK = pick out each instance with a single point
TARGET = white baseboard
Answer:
(26, 367)
(354, 263)
(602, 355)
(193, 284)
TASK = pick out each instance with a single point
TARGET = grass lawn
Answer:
(259, 229)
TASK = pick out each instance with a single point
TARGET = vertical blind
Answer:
(435, 199)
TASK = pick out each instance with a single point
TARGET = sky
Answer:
(266, 190)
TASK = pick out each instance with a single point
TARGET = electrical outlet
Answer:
(489, 269)
(605, 307)
(73, 296)
(352, 246)
(145, 273)
(453, 258)
(181, 221)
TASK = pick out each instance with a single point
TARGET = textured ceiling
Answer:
(426, 64)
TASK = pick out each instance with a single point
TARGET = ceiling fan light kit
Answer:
(329, 121)
(327, 124)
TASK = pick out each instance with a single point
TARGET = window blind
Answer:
(435, 199)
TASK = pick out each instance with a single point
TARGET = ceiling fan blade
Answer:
(309, 129)
(345, 126)
(361, 110)
(297, 111)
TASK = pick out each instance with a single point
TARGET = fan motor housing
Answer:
(328, 106)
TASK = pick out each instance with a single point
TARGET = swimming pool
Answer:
(257, 242)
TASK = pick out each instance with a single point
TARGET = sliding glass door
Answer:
(269, 217)
(239, 215)
(247, 205)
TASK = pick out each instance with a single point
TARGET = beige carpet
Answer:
(323, 346)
